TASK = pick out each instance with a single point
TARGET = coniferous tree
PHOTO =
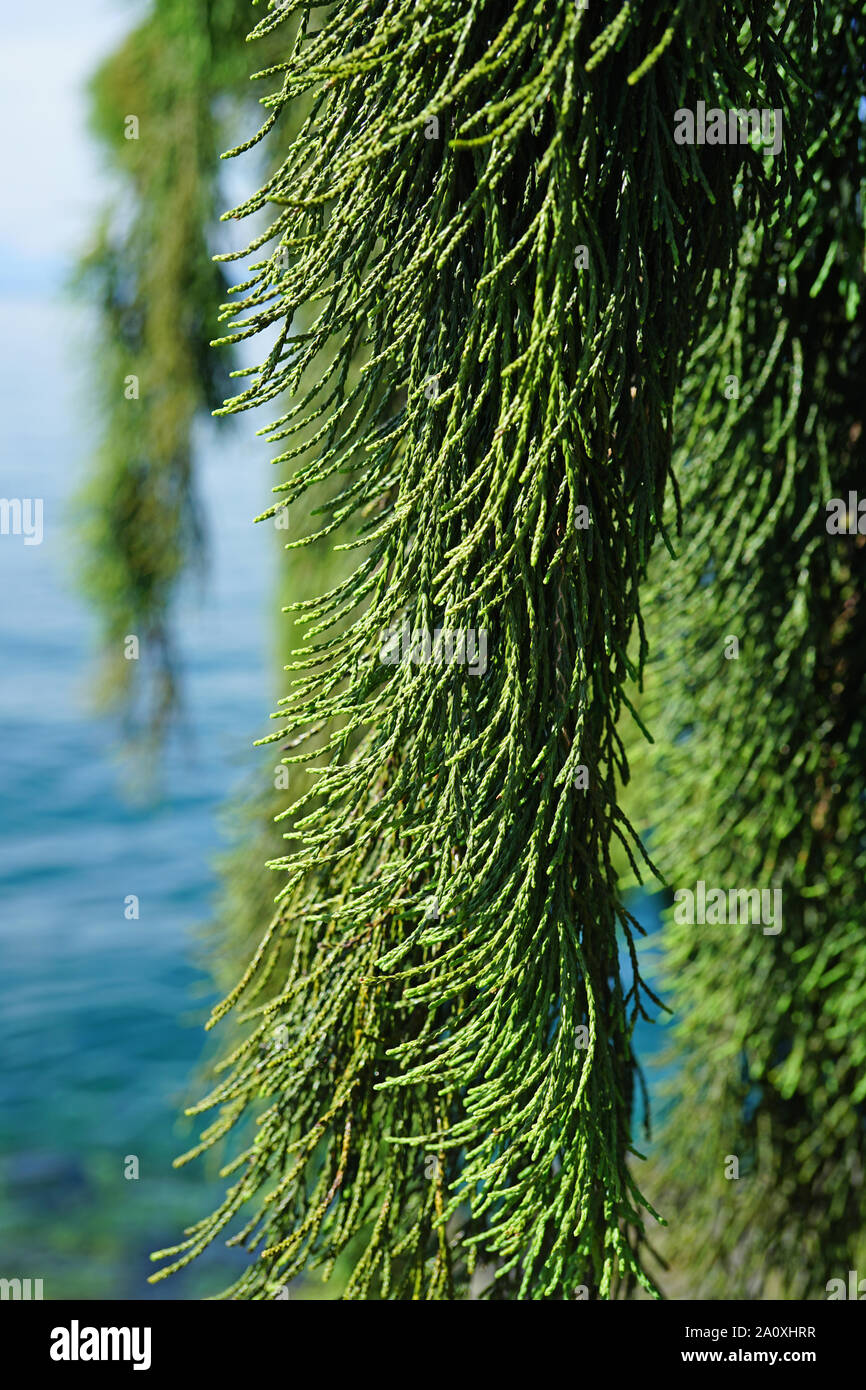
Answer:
(486, 205)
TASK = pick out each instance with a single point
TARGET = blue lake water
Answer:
(99, 1015)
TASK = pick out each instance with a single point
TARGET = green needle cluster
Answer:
(487, 265)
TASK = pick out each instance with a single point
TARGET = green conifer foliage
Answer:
(485, 206)
(756, 779)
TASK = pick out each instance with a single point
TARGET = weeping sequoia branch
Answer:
(438, 1046)
(756, 779)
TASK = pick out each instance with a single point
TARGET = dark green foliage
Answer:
(757, 778)
(422, 1099)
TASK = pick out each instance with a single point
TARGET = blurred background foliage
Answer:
(163, 106)
(756, 777)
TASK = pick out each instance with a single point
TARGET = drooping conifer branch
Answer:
(486, 206)
(756, 779)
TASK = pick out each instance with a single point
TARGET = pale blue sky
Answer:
(52, 185)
